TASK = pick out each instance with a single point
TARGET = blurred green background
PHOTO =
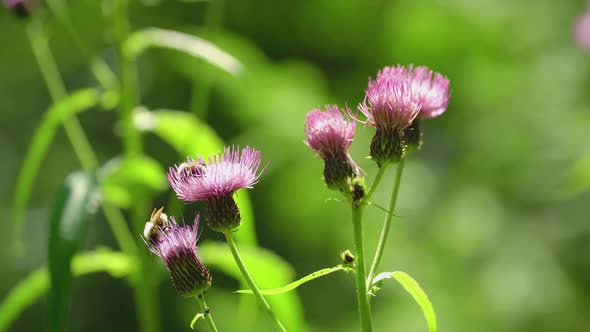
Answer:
(493, 211)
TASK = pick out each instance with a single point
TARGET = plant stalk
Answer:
(206, 312)
(234, 250)
(386, 223)
(74, 131)
(375, 183)
(361, 285)
(146, 301)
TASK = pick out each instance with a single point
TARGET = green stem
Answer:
(118, 226)
(207, 313)
(129, 86)
(57, 91)
(375, 183)
(74, 131)
(99, 68)
(78, 139)
(251, 283)
(361, 285)
(144, 284)
(387, 223)
(200, 94)
(145, 306)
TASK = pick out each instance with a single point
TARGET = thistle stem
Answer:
(234, 250)
(387, 222)
(129, 86)
(361, 285)
(206, 312)
(375, 183)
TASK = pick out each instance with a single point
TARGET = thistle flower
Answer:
(21, 8)
(329, 134)
(582, 31)
(177, 247)
(395, 102)
(432, 89)
(390, 105)
(215, 181)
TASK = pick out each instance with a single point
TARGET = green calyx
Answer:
(413, 137)
(340, 173)
(223, 214)
(391, 144)
(387, 146)
(189, 276)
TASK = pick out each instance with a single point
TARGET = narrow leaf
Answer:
(75, 201)
(195, 319)
(267, 269)
(190, 136)
(296, 283)
(197, 47)
(414, 289)
(40, 143)
(31, 288)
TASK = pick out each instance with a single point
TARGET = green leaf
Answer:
(577, 179)
(127, 181)
(267, 269)
(414, 289)
(195, 319)
(197, 47)
(186, 133)
(32, 288)
(40, 143)
(75, 201)
(190, 136)
(296, 283)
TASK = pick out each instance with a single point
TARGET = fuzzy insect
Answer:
(157, 224)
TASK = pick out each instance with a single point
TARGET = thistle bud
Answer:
(330, 134)
(412, 137)
(347, 258)
(387, 146)
(177, 247)
(223, 213)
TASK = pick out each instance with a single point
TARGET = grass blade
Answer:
(197, 47)
(42, 138)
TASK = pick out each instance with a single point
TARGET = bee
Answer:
(191, 168)
(157, 224)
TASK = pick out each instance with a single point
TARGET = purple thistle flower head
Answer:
(215, 182)
(329, 133)
(177, 247)
(390, 100)
(395, 101)
(582, 31)
(432, 89)
(220, 176)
